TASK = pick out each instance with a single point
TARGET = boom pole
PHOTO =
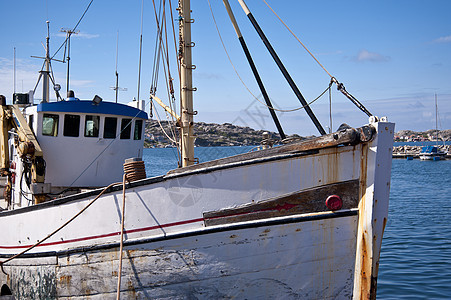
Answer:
(254, 69)
(282, 68)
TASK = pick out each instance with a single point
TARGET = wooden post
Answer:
(186, 85)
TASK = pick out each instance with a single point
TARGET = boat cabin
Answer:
(84, 143)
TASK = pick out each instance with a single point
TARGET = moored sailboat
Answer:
(302, 220)
(433, 152)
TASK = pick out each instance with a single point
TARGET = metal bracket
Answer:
(196, 160)
(192, 67)
(191, 89)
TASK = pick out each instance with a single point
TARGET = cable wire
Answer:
(76, 25)
(244, 84)
(59, 228)
(298, 39)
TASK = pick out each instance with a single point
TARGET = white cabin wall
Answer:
(139, 104)
(68, 157)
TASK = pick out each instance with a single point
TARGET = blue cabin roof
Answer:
(87, 106)
(429, 149)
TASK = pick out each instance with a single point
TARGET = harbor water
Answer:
(416, 251)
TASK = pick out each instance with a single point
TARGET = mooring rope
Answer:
(119, 276)
(59, 228)
(133, 170)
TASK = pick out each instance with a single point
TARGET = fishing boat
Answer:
(301, 220)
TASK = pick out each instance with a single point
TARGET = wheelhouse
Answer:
(84, 143)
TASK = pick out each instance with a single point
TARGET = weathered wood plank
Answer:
(348, 136)
(307, 201)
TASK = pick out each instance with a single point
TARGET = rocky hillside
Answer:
(208, 134)
(211, 134)
(444, 135)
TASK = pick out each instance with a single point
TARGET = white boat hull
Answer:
(432, 156)
(298, 259)
(257, 229)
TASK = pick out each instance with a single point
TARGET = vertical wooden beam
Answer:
(186, 85)
(373, 209)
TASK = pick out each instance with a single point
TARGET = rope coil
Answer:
(134, 169)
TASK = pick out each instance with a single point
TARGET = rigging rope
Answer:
(162, 54)
(156, 59)
(340, 86)
(175, 41)
(59, 228)
(298, 39)
(78, 23)
(330, 109)
(161, 126)
(119, 276)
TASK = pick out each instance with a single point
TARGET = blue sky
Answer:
(391, 55)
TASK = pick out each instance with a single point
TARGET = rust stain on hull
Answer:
(65, 279)
(364, 288)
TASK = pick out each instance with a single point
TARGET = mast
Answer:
(46, 72)
(68, 32)
(186, 84)
(436, 122)
(116, 87)
(116, 73)
(140, 47)
(14, 70)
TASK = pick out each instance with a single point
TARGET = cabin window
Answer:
(30, 122)
(92, 126)
(138, 129)
(126, 128)
(50, 125)
(109, 131)
(71, 125)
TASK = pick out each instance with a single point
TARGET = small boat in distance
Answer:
(433, 152)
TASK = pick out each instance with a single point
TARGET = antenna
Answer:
(46, 73)
(140, 47)
(14, 70)
(117, 88)
(68, 32)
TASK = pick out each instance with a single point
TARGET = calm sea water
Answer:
(416, 251)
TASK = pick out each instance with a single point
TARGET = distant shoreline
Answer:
(214, 135)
